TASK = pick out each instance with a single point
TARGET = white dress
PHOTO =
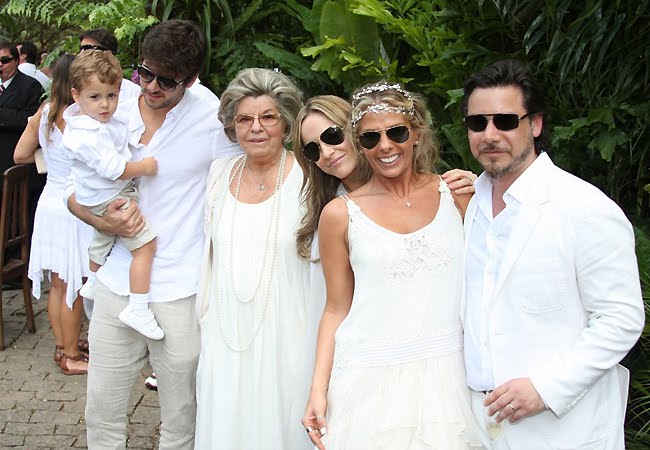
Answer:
(60, 241)
(398, 379)
(252, 381)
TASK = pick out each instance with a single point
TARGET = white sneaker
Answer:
(88, 290)
(151, 382)
(143, 322)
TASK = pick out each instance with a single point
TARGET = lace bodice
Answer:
(407, 289)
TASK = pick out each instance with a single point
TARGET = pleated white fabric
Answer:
(253, 398)
(59, 241)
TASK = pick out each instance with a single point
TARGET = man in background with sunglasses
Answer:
(20, 97)
(181, 130)
(553, 300)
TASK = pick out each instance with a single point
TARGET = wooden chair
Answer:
(14, 239)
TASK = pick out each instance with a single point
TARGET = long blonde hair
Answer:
(318, 187)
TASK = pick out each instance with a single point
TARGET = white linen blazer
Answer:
(567, 309)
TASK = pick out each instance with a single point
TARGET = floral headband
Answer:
(379, 108)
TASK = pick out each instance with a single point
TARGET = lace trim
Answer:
(417, 254)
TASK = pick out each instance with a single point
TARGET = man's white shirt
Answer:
(190, 138)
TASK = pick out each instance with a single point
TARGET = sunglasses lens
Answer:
(369, 139)
(311, 151)
(5, 59)
(398, 134)
(145, 74)
(167, 84)
(505, 122)
(476, 122)
(333, 135)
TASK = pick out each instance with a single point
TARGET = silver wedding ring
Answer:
(513, 408)
(319, 417)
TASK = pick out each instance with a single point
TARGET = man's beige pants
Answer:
(118, 354)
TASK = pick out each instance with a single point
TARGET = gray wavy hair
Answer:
(255, 82)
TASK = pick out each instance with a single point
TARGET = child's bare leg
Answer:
(137, 314)
(140, 271)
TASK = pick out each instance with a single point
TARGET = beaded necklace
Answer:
(270, 250)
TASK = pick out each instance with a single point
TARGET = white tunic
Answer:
(254, 398)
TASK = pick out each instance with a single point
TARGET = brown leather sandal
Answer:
(64, 364)
(58, 353)
(84, 346)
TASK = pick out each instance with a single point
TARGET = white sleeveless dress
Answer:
(59, 241)
(252, 379)
(398, 380)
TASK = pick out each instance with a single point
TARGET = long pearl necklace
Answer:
(270, 248)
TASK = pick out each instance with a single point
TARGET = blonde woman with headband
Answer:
(389, 369)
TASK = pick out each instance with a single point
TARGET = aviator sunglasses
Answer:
(6, 59)
(333, 135)
(166, 84)
(370, 139)
(502, 122)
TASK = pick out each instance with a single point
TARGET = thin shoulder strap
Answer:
(353, 208)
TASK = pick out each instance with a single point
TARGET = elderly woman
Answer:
(252, 379)
(389, 367)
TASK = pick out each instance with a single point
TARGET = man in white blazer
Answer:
(552, 299)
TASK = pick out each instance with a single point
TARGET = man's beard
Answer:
(497, 172)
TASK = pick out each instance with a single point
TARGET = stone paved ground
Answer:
(40, 407)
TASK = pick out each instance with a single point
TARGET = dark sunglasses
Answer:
(91, 47)
(503, 122)
(6, 59)
(333, 135)
(370, 139)
(166, 84)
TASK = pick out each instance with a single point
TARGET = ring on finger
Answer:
(310, 429)
(319, 417)
(470, 180)
(513, 408)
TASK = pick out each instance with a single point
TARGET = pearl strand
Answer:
(275, 218)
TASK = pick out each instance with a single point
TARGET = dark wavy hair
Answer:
(513, 73)
(177, 47)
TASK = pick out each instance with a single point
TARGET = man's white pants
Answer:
(118, 354)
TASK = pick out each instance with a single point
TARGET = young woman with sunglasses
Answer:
(333, 167)
(389, 369)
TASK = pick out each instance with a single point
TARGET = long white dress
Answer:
(59, 241)
(398, 380)
(252, 381)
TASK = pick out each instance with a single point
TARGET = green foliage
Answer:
(638, 415)
(209, 13)
(56, 24)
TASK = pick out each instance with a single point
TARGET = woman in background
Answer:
(60, 240)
